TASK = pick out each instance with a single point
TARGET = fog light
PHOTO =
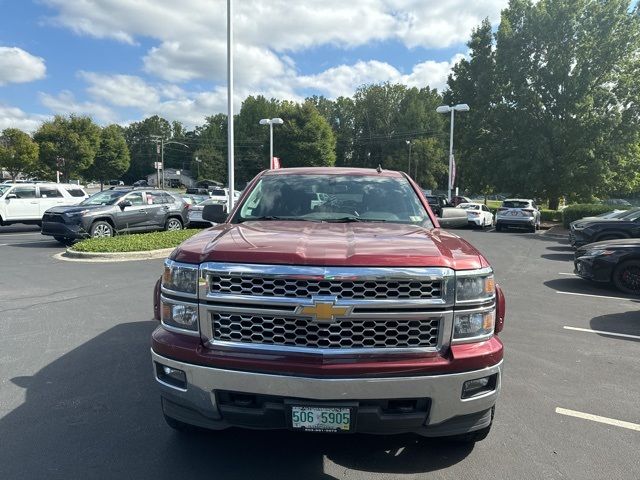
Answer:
(472, 388)
(172, 376)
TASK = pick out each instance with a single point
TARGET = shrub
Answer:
(581, 210)
(135, 243)
(551, 215)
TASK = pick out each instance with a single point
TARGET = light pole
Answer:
(461, 107)
(198, 162)
(408, 142)
(271, 122)
(230, 160)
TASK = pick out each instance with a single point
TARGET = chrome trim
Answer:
(174, 329)
(475, 272)
(444, 390)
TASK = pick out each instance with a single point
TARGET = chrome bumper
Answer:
(443, 390)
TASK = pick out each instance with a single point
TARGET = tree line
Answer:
(555, 112)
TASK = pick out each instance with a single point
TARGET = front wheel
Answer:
(626, 277)
(173, 224)
(498, 227)
(101, 229)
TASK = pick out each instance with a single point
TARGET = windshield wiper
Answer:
(269, 217)
(343, 220)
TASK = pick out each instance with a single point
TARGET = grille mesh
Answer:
(301, 332)
(356, 289)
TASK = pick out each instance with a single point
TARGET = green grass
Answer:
(134, 243)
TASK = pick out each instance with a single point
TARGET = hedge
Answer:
(135, 243)
(551, 215)
(581, 210)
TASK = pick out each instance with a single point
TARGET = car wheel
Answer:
(498, 227)
(626, 277)
(101, 229)
(173, 224)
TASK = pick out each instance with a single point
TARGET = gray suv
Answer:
(116, 211)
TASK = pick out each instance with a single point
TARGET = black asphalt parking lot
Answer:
(77, 398)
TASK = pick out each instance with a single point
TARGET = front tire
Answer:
(626, 277)
(173, 224)
(101, 229)
(498, 227)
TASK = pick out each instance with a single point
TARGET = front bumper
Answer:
(66, 230)
(447, 413)
(594, 268)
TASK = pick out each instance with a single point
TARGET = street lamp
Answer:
(271, 122)
(461, 107)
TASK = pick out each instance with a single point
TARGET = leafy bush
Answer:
(135, 243)
(551, 215)
(581, 210)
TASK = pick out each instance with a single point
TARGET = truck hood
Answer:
(330, 244)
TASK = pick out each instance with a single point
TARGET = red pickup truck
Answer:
(329, 300)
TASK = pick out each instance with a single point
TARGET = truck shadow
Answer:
(627, 323)
(94, 413)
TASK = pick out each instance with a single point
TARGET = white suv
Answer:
(27, 202)
(518, 212)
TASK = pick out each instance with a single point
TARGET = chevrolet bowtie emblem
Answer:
(324, 311)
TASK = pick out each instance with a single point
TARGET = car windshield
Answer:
(515, 204)
(627, 214)
(4, 188)
(108, 197)
(343, 198)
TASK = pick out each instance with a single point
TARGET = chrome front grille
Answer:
(340, 289)
(282, 330)
(326, 310)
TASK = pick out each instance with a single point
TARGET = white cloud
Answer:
(343, 80)
(65, 103)
(19, 66)
(13, 117)
(120, 90)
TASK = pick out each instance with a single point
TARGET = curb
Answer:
(71, 255)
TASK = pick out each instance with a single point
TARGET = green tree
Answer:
(210, 143)
(18, 152)
(306, 138)
(561, 113)
(112, 159)
(143, 148)
(72, 141)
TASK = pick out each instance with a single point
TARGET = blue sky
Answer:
(122, 60)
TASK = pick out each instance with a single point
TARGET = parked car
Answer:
(195, 213)
(611, 261)
(448, 215)
(583, 232)
(478, 214)
(27, 202)
(118, 183)
(617, 202)
(197, 191)
(107, 213)
(354, 315)
(519, 213)
(192, 199)
(140, 183)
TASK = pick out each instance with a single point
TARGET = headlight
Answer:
(183, 316)
(473, 326)
(77, 214)
(596, 253)
(180, 277)
(475, 285)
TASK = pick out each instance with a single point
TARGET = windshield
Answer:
(334, 198)
(4, 188)
(108, 197)
(628, 214)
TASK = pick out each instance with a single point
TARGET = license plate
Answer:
(321, 419)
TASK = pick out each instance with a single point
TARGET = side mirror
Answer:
(214, 213)
(125, 203)
(10, 196)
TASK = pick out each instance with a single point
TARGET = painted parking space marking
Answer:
(602, 332)
(598, 418)
(593, 296)
(566, 273)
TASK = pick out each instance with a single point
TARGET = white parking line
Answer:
(566, 273)
(590, 295)
(598, 418)
(602, 332)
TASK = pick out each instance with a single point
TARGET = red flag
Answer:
(276, 163)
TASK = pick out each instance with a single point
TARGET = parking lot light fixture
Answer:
(271, 122)
(460, 107)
